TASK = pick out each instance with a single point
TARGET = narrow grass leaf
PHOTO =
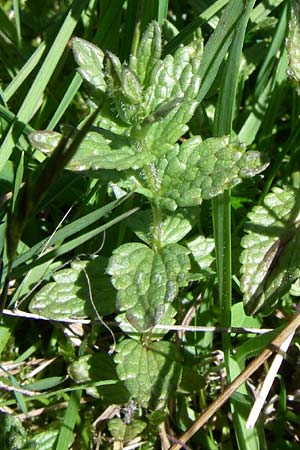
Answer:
(66, 434)
(68, 230)
(44, 384)
(33, 97)
(71, 245)
(25, 71)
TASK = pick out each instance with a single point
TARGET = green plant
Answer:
(148, 103)
(161, 149)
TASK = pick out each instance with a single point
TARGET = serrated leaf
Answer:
(146, 280)
(106, 150)
(173, 227)
(69, 297)
(205, 170)
(125, 432)
(176, 76)
(150, 372)
(148, 53)
(271, 256)
(167, 124)
(293, 44)
(89, 58)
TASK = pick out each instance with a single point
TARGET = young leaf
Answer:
(148, 53)
(146, 280)
(90, 61)
(150, 372)
(176, 76)
(69, 297)
(271, 256)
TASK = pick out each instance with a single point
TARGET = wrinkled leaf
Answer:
(271, 256)
(205, 170)
(68, 296)
(166, 124)
(107, 150)
(149, 372)
(173, 228)
(148, 53)
(176, 76)
(156, 333)
(90, 61)
(146, 280)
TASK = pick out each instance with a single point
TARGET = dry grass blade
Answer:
(238, 381)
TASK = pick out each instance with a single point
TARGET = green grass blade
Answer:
(34, 95)
(21, 76)
(19, 397)
(69, 230)
(17, 21)
(71, 245)
(218, 44)
(105, 24)
(10, 117)
(162, 10)
(65, 102)
(7, 27)
(270, 60)
(66, 433)
(222, 217)
(185, 35)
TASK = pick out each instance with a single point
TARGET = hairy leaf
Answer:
(271, 256)
(106, 150)
(89, 58)
(150, 372)
(148, 53)
(176, 76)
(205, 170)
(147, 280)
(69, 295)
